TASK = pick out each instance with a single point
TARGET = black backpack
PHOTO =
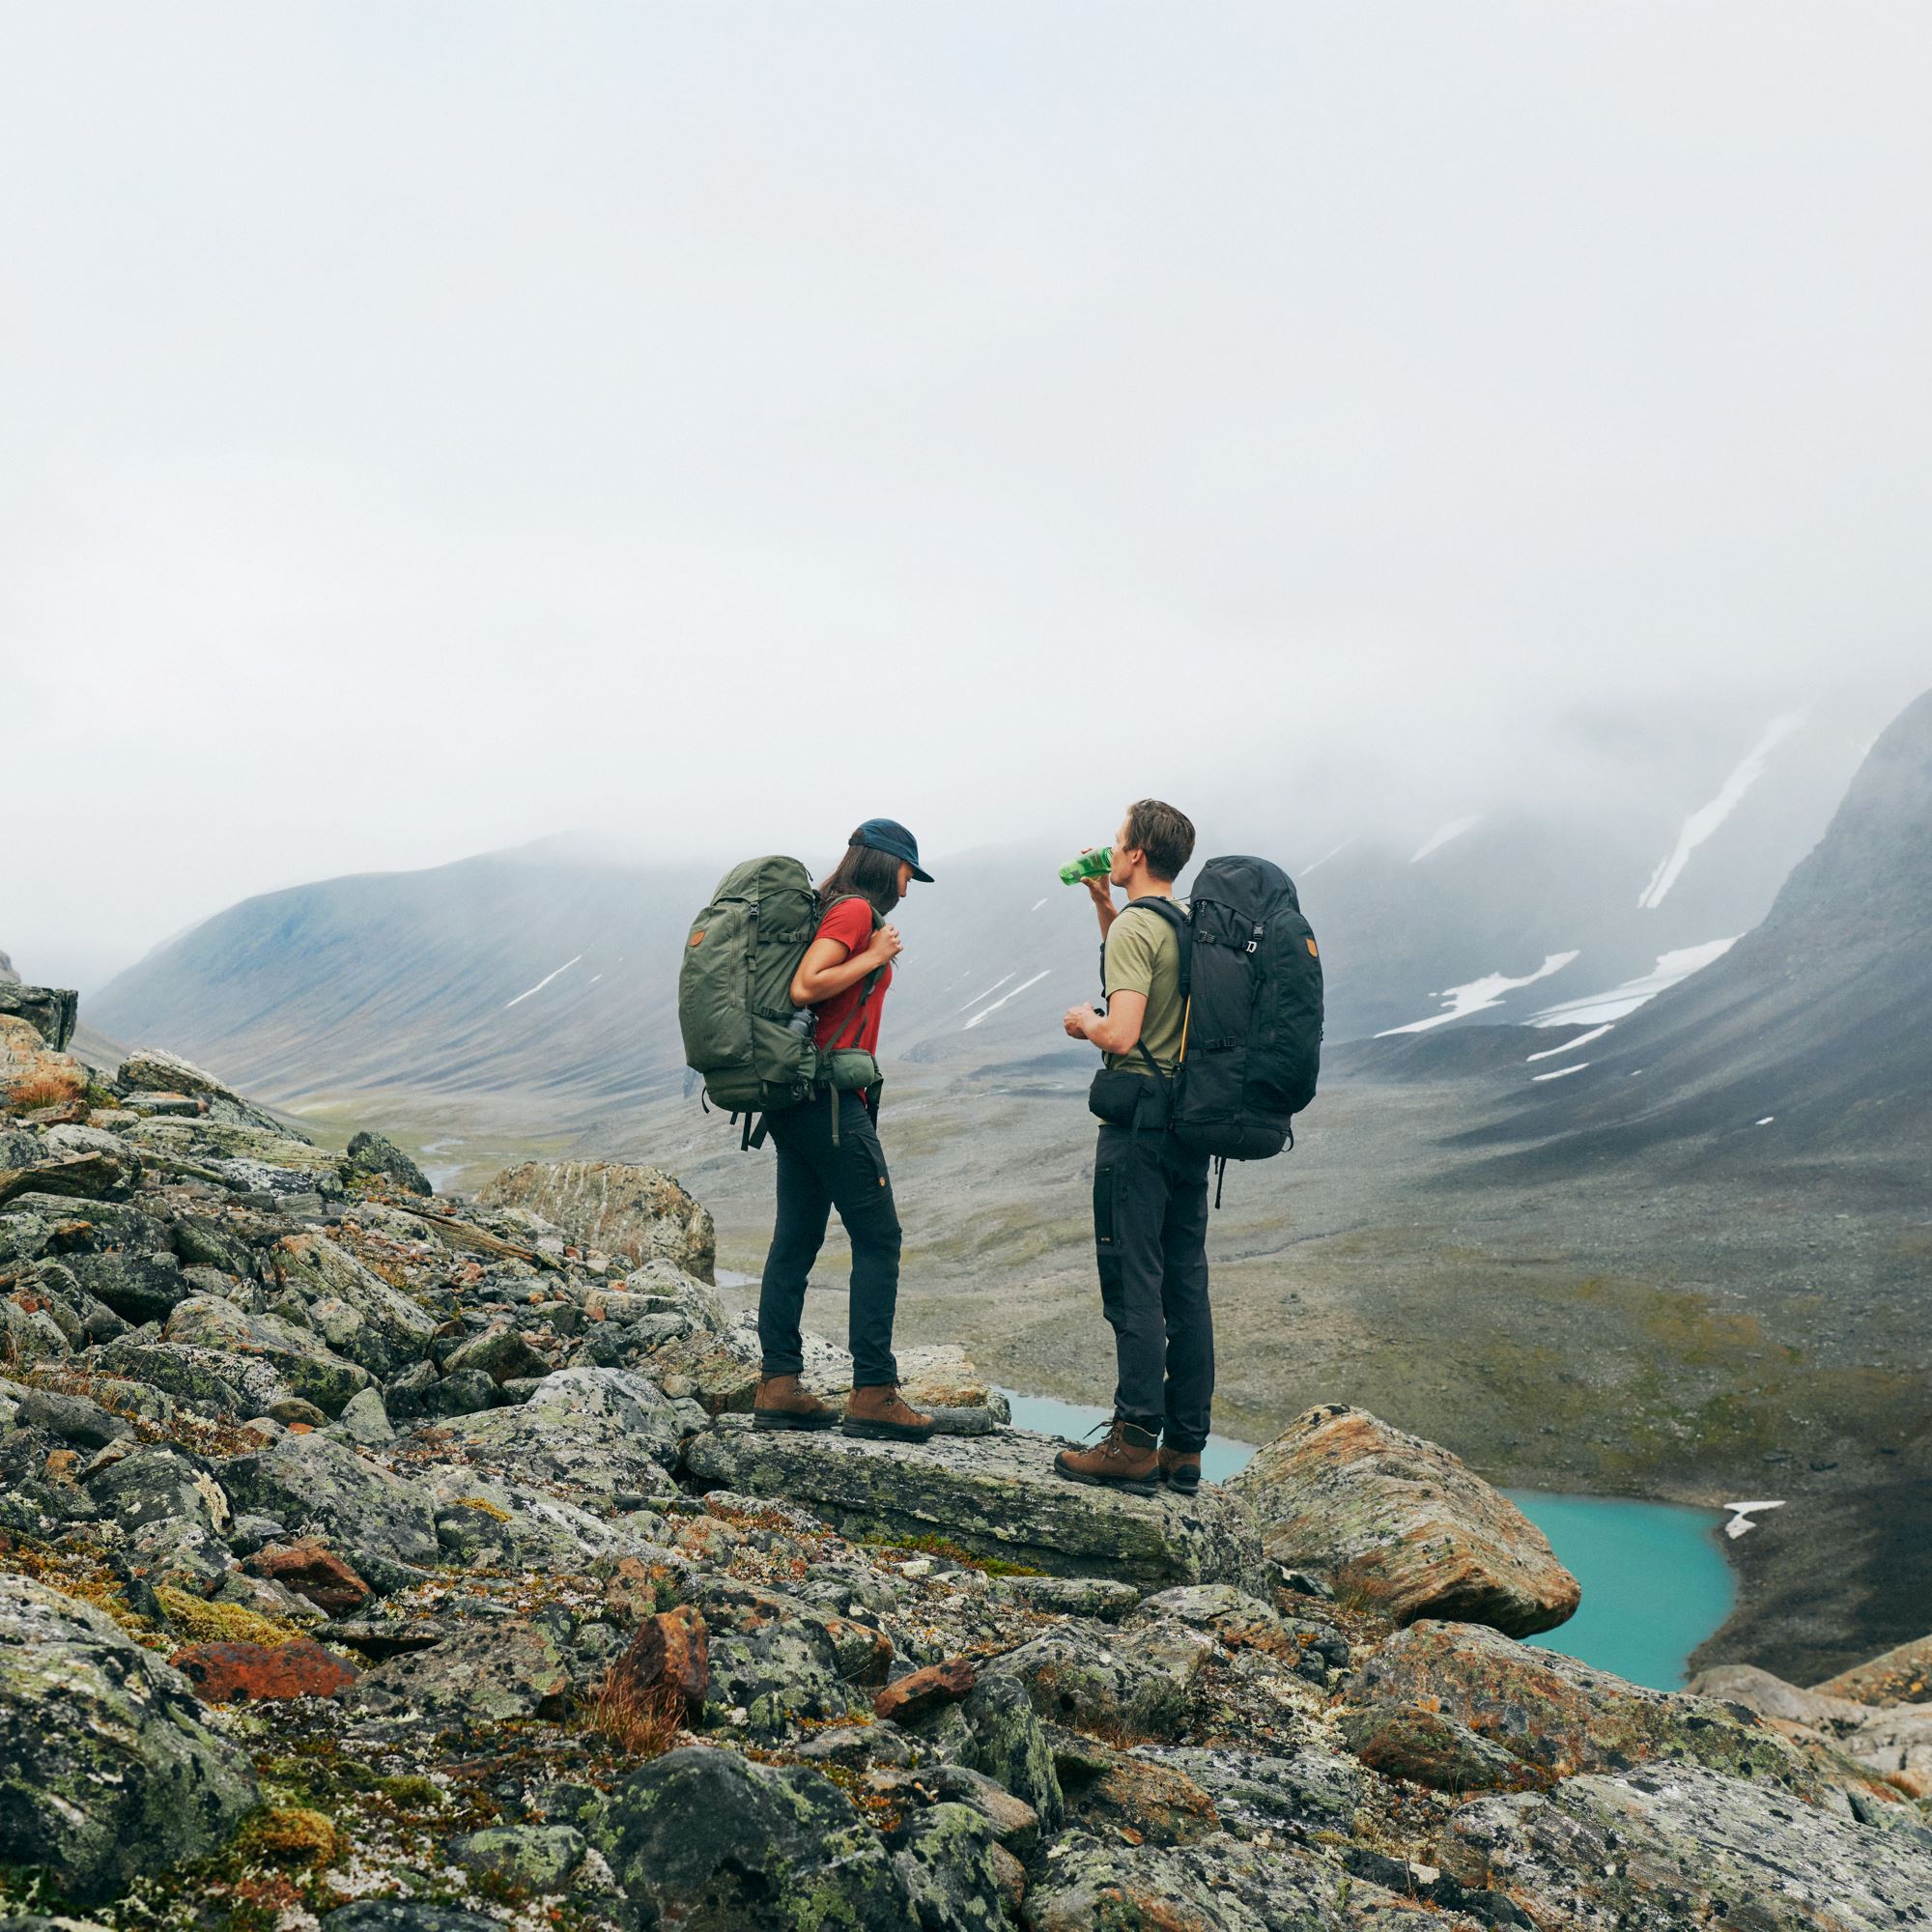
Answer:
(1251, 989)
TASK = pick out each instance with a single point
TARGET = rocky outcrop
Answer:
(636, 1212)
(106, 1766)
(448, 1517)
(1434, 1683)
(1894, 1740)
(1391, 1520)
(373, 1158)
(1657, 1850)
(996, 1496)
(50, 1011)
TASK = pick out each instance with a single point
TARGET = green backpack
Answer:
(752, 1049)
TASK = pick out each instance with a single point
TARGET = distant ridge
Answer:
(1811, 1029)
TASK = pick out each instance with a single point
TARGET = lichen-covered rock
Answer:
(373, 1158)
(1894, 1741)
(381, 1523)
(302, 1360)
(1217, 1884)
(487, 1674)
(106, 1766)
(1317, 1792)
(604, 1435)
(538, 1856)
(50, 1011)
(671, 1650)
(701, 1837)
(1074, 1677)
(358, 1313)
(996, 1496)
(1399, 1524)
(154, 1482)
(254, 1673)
(313, 1572)
(1554, 1714)
(637, 1212)
(1901, 1675)
(1658, 1849)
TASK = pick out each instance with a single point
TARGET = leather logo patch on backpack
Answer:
(697, 938)
(1313, 953)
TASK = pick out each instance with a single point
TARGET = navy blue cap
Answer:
(888, 835)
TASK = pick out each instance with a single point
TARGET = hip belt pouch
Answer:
(1124, 1098)
(847, 1069)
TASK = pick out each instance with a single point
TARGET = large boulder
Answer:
(1401, 1524)
(1893, 1740)
(996, 1496)
(1552, 1714)
(359, 1314)
(315, 1485)
(108, 1768)
(702, 1837)
(602, 1435)
(33, 1073)
(375, 1158)
(488, 1674)
(1655, 1851)
(634, 1211)
(50, 1011)
(299, 1357)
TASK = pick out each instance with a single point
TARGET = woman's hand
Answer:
(886, 946)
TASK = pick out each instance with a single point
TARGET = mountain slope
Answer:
(1810, 1028)
(547, 976)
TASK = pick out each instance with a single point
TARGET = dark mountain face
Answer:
(1812, 1028)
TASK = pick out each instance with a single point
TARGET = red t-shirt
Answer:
(850, 924)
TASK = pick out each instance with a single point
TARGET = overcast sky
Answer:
(427, 428)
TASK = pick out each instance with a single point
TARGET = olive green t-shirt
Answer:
(1143, 956)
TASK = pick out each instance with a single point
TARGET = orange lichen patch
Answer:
(252, 1673)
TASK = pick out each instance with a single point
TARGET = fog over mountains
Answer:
(550, 972)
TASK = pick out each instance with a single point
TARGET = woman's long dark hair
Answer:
(871, 875)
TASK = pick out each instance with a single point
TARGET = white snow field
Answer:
(1439, 838)
(1480, 995)
(1005, 997)
(1706, 819)
(1594, 1009)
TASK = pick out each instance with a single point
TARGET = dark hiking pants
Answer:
(815, 1176)
(1151, 1233)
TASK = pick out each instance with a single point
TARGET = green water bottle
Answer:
(1088, 866)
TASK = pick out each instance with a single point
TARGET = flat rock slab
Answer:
(1399, 1524)
(1655, 1852)
(994, 1495)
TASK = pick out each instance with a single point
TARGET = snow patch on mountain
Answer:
(1480, 995)
(1671, 967)
(1442, 835)
(1570, 1045)
(1005, 997)
(1557, 1073)
(540, 985)
(1704, 821)
(983, 993)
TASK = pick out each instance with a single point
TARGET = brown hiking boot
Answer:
(784, 1401)
(1180, 1470)
(881, 1415)
(1125, 1460)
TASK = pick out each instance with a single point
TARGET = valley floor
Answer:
(1694, 1334)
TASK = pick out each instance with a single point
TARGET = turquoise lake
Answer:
(1655, 1581)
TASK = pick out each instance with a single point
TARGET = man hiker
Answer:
(1150, 1198)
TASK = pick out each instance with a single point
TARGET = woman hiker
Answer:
(843, 979)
